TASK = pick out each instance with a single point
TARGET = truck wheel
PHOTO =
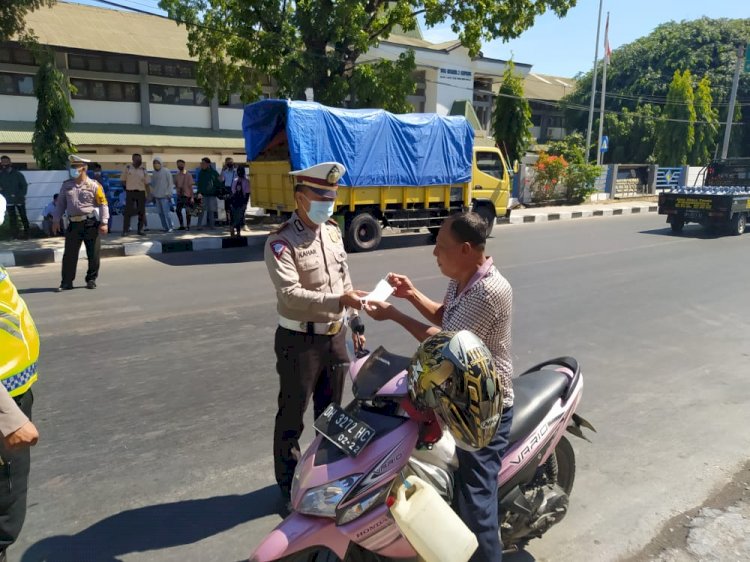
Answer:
(488, 214)
(363, 234)
(737, 224)
(677, 225)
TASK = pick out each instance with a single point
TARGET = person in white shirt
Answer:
(47, 217)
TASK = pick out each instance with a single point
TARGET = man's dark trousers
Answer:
(14, 483)
(308, 366)
(86, 232)
(14, 211)
(135, 199)
(476, 491)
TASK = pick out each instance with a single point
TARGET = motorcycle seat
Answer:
(535, 393)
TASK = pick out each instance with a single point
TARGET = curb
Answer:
(529, 217)
(39, 256)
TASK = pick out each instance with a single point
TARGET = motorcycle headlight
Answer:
(352, 512)
(322, 501)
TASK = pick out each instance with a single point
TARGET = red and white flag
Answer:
(607, 50)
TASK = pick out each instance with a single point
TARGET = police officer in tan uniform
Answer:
(307, 264)
(82, 198)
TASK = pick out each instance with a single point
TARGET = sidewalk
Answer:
(50, 250)
(607, 208)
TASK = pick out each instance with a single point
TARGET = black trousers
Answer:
(183, 203)
(137, 200)
(14, 483)
(86, 232)
(14, 211)
(309, 366)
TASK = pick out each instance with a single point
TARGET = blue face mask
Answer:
(320, 211)
(74, 172)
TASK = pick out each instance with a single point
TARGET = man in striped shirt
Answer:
(479, 299)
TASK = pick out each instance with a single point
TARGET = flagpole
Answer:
(604, 94)
(593, 84)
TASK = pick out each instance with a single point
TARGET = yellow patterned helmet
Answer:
(454, 374)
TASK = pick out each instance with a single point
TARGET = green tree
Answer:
(740, 132)
(675, 132)
(13, 18)
(318, 44)
(511, 118)
(707, 125)
(50, 143)
(382, 84)
(632, 134)
(640, 72)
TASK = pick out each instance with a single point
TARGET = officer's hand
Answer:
(403, 288)
(24, 436)
(379, 310)
(350, 300)
(103, 229)
(359, 341)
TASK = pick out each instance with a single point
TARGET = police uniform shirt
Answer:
(308, 269)
(81, 199)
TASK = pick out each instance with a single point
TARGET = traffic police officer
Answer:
(307, 264)
(84, 200)
(19, 353)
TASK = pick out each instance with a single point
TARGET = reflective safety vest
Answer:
(19, 340)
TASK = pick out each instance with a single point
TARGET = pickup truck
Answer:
(404, 172)
(722, 203)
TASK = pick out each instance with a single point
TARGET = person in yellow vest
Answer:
(19, 354)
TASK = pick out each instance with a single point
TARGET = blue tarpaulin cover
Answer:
(378, 148)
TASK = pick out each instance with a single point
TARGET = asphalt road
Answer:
(157, 390)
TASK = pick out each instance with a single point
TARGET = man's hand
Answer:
(380, 310)
(103, 229)
(403, 288)
(351, 300)
(55, 228)
(24, 436)
(359, 341)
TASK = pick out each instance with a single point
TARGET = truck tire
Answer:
(488, 214)
(677, 224)
(737, 224)
(363, 233)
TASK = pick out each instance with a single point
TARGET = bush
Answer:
(549, 172)
(580, 176)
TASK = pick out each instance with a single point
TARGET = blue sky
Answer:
(564, 47)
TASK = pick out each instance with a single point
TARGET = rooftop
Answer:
(546, 87)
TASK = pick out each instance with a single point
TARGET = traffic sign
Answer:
(605, 143)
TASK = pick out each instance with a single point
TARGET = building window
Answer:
(103, 63)
(176, 95)
(172, 69)
(100, 90)
(16, 55)
(16, 84)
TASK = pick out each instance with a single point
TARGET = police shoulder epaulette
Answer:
(332, 222)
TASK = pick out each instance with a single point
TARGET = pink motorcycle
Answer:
(342, 484)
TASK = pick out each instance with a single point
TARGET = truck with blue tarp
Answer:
(722, 202)
(402, 171)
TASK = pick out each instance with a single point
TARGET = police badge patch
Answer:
(278, 248)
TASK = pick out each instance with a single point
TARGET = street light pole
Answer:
(732, 101)
(599, 153)
(593, 83)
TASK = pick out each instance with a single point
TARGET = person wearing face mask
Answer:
(162, 186)
(88, 212)
(183, 183)
(136, 181)
(307, 264)
(13, 187)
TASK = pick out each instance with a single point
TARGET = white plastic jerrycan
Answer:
(430, 525)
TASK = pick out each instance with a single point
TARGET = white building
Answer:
(136, 89)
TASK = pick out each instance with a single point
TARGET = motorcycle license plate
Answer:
(344, 430)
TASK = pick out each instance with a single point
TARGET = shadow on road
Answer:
(694, 232)
(33, 290)
(156, 527)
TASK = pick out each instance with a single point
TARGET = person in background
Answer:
(13, 187)
(208, 184)
(183, 183)
(47, 214)
(228, 175)
(135, 180)
(19, 357)
(162, 187)
(238, 199)
(99, 176)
